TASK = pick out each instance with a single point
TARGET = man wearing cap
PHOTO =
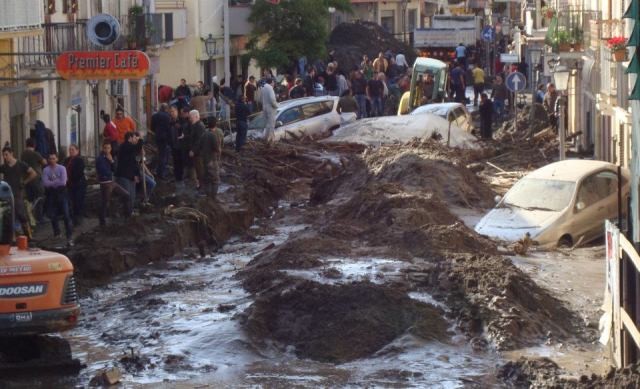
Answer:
(269, 107)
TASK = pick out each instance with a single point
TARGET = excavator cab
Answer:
(37, 288)
(425, 70)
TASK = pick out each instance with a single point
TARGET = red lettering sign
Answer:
(102, 65)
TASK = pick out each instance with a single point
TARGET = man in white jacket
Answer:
(269, 107)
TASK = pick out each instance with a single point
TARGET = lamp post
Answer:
(404, 20)
(211, 48)
(535, 55)
(332, 10)
(561, 76)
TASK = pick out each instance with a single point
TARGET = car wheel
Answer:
(565, 241)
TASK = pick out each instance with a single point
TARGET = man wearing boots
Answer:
(211, 152)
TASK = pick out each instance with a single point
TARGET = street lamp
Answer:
(210, 46)
(561, 76)
(332, 10)
(404, 20)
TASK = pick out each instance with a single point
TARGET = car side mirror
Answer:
(580, 205)
(279, 123)
(497, 199)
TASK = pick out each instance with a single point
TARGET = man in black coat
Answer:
(128, 170)
(161, 126)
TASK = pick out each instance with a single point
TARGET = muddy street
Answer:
(338, 266)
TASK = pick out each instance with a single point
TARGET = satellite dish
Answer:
(103, 29)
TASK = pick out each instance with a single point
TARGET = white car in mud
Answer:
(562, 204)
(315, 117)
(455, 113)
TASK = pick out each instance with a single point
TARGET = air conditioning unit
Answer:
(118, 88)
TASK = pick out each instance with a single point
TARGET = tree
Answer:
(285, 31)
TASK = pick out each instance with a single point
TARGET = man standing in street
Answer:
(211, 153)
(298, 90)
(461, 55)
(128, 171)
(124, 124)
(347, 103)
(375, 91)
(380, 64)
(250, 93)
(242, 125)
(18, 175)
(458, 84)
(161, 126)
(499, 94)
(183, 94)
(269, 107)
(34, 189)
(197, 130)
(549, 103)
(486, 117)
(478, 83)
(104, 172)
(54, 180)
(359, 86)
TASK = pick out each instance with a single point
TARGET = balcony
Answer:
(57, 38)
(142, 31)
(18, 16)
(571, 30)
(601, 30)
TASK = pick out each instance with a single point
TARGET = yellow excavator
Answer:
(429, 71)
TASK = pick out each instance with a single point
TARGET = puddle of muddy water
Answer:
(175, 326)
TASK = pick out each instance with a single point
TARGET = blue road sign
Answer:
(488, 34)
(516, 82)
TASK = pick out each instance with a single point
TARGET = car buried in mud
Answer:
(562, 204)
(314, 117)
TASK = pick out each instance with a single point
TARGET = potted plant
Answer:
(577, 38)
(563, 40)
(618, 46)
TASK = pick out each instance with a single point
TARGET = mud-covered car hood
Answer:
(512, 223)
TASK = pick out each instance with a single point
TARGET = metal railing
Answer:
(571, 29)
(143, 30)
(57, 38)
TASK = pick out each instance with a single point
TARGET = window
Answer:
(412, 20)
(70, 6)
(597, 187)
(387, 21)
(290, 116)
(317, 109)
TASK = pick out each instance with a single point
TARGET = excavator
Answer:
(37, 287)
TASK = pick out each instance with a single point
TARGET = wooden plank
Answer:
(628, 248)
(630, 326)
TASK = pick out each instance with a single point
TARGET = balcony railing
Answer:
(57, 38)
(141, 31)
(572, 30)
(20, 15)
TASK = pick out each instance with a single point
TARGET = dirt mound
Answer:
(544, 373)
(351, 40)
(513, 311)
(340, 323)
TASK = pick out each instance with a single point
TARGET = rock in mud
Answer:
(339, 323)
(106, 378)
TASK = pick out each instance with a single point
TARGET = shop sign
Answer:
(103, 65)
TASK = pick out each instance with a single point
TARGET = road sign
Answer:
(509, 58)
(488, 34)
(516, 82)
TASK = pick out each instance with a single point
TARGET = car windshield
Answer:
(540, 194)
(436, 110)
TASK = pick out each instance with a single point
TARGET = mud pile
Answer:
(544, 373)
(395, 203)
(340, 323)
(351, 40)
(258, 178)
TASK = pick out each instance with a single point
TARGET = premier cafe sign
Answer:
(102, 65)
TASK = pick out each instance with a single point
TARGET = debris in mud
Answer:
(106, 378)
(226, 307)
(543, 372)
(41, 354)
(134, 362)
(339, 323)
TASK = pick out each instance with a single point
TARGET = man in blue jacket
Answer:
(104, 170)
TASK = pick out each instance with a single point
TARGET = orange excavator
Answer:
(37, 287)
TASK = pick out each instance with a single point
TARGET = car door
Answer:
(596, 201)
(287, 122)
(317, 118)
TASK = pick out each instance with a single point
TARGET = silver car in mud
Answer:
(563, 203)
(314, 117)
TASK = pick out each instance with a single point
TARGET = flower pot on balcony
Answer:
(577, 47)
(619, 55)
(564, 47)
